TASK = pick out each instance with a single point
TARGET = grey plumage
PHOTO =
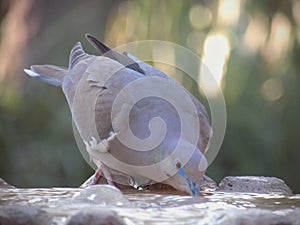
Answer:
(91, 85)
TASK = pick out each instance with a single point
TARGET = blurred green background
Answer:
(253, 47)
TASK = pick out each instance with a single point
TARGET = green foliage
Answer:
(37, 147)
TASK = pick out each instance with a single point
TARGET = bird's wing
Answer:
(205, 127)
(141, 67)
(94, 94)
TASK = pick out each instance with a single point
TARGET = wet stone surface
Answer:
(253, 184)
(23, 215)
(101, 194)
(102, 204)
(95, 217)
(4, 184)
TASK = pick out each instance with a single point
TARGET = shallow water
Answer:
(148, 207)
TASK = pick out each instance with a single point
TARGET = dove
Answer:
(130, 118)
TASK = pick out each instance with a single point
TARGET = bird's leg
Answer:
(96, 176)
(102, 170)
(107, 175)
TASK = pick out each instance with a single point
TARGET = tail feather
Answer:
(55, 74)
(77, 54)
(47, 73)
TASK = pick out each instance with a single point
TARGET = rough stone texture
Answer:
(208, 184)
(257, 217)
(254, 184)
(23, 215)
(103, 204)
(95, 217)
(4, 184)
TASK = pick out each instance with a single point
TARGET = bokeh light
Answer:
(215, 55)
(252, 49)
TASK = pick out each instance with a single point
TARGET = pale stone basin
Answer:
(152, 207)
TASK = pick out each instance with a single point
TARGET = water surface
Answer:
(153, 207)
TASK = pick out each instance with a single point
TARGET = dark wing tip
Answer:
(97, 44)
(106, 51)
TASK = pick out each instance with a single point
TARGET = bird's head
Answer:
(189, 174)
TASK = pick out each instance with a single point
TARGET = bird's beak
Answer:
(192, 187)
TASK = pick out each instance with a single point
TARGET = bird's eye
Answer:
(178, 164)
